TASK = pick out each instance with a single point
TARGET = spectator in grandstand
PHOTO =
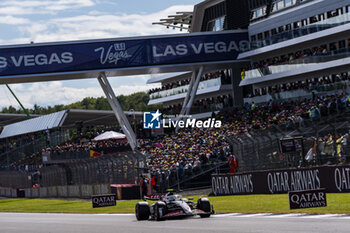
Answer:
(105, 146)
(285, 113)
(190, 150)
(336, 82)
(28, 164)
(292, 58)
(222, 74)
(185, 150)
(203, 105)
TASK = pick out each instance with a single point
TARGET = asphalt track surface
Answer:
(119, 223)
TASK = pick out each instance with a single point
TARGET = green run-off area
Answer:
(337, 204)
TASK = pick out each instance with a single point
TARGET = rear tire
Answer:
(142, 211)
(204, 205)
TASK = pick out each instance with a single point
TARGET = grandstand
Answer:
(295, 52)
(291, 83)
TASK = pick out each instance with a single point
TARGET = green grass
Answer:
(337, 204)
(62, 206)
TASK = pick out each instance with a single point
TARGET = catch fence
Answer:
(260, 150)
(123, 168)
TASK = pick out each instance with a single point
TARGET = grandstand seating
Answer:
(250, 133)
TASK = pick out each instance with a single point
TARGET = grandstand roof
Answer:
(65, 118)
(9, 118)
(95, 117)
(50, 121)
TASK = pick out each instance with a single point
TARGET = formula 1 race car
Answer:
(173, 206)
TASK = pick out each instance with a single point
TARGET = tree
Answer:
(102, 104)
(11, 109)
(137, 101)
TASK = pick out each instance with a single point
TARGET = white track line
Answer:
(254, 215)
(225, 215)
(286, 215)
(271, 215)
(325, 216)
(115, 214)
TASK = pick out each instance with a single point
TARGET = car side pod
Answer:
(204, 205)
(142, 211)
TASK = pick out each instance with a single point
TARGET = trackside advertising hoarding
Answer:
(334, 179)
(103, 200)
(307, 199)
(121, 53)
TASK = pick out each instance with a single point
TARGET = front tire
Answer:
(142, 211)
(204, 205)
(159, 210)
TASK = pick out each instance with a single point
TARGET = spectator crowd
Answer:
(75, 148)
(331, 49)
(223, 75)
(203, 105)
(190, 149)
(288, 114)
(193, 150)
(316, 84)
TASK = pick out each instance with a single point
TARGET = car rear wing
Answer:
(155, 197)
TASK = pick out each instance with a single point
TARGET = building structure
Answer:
(298, 49)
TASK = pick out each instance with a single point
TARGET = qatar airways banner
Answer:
(117, 54)
(334, 179)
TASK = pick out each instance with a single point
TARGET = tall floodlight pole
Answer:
(19, 102)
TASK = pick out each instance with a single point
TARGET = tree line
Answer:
(137, 101)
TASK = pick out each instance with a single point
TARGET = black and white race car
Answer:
(173, 206)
